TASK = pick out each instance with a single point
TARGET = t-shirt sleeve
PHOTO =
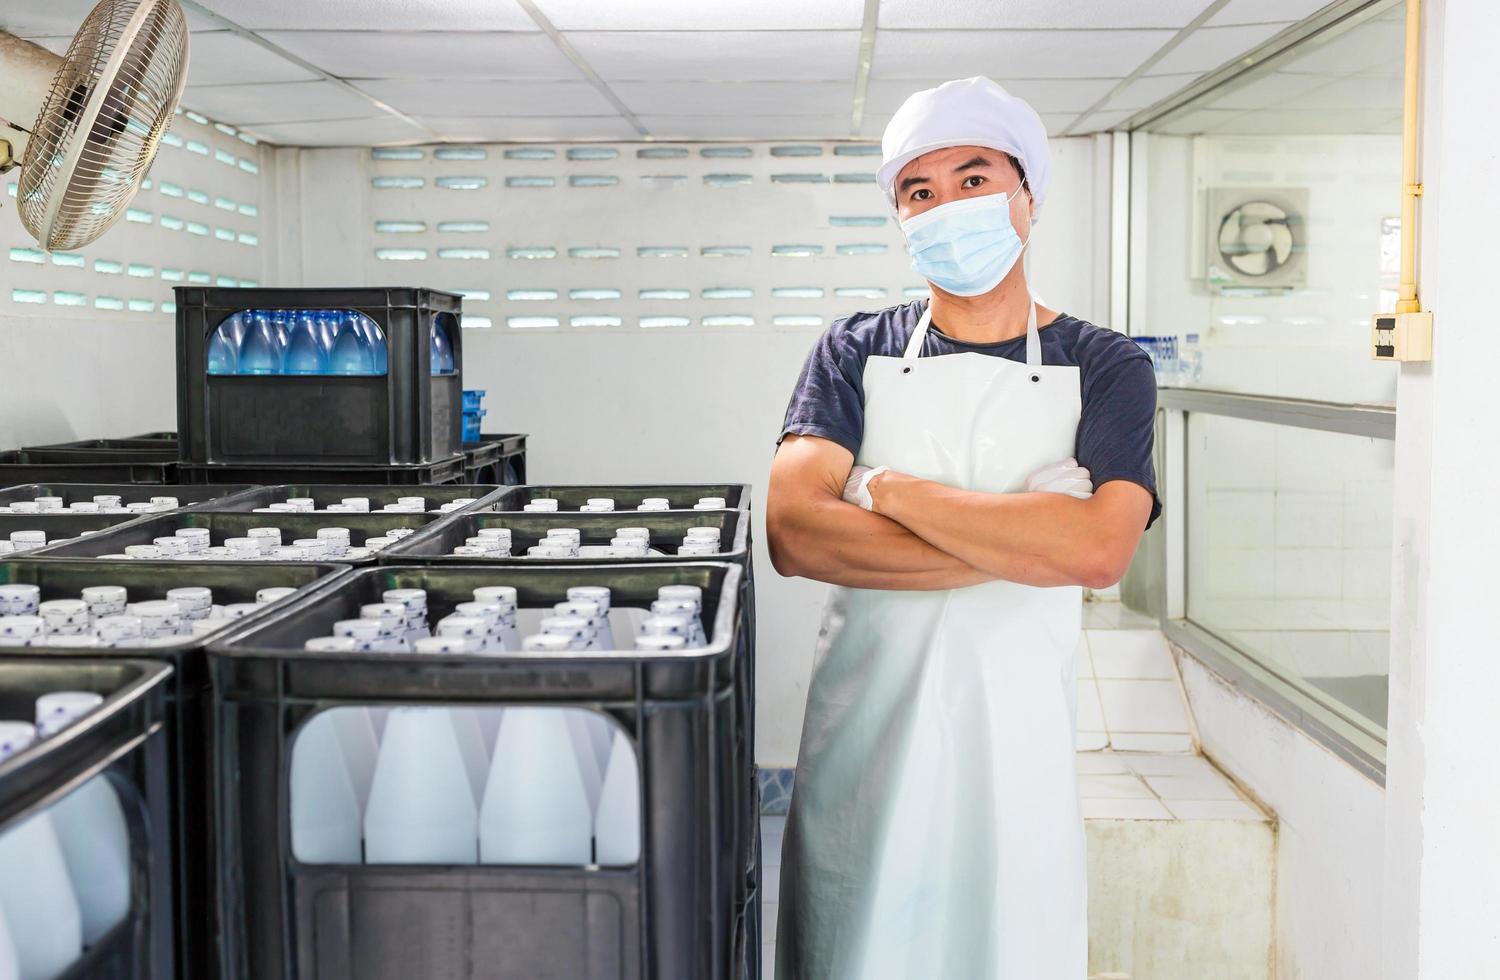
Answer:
(829, 400)
(1117, 429)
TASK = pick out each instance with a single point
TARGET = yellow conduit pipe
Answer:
(1410, 189)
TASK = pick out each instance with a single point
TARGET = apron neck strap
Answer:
(1033, 337)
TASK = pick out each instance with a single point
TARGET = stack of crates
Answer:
(688, 907)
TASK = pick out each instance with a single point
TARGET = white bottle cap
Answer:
(571, 534)
(104, 600)
(500, 533)
(447, 644)
(550, 551)
(390, 615)
(420, 502)
(139, 507)
(544, 503)
(302, 504)
(582, 608)
(363, 631)
(6, 548)
(26, 540)
(159, 617)
(271, 594)
(378, 542)
(360, 504)
(14, 737)
(289, 552)
(400, 532)
(331, 644)
(24, 507)
(599, 595)
(165, 502)
(281, 507)
(647, 505)
(471, 551)
(413, 600)
(64, 615)
(109, 500)
(16, 630)
(238, 610)
(16, 600)
(335, 534)
(703, 534)
(490, 546)
(208, 625)
(465, 626)
(644, 533)
(119, 629)
(192, 599)
(242, 547)
(570, 626)
(710, 503)
(339, 509)
(659, 625)
(680, 593)
(686, 608)
(59, 709)
(171, 546)
(698, 549)
(488, 611)
(265, 532)
(659, 643)
(197, 538)
(503, 595)
(604, 503)
(629, 547)
(546, 643)
(84, 507)
(49, 503)
(143, 551)
(75, 640)
(314, 547)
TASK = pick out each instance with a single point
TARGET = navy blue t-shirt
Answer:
(1118, 386)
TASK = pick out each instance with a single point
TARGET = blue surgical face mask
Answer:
(965, 247)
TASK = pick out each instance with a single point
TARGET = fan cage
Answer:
(83, 167)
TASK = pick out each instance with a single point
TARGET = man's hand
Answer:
(1065, 476)
(857, 487)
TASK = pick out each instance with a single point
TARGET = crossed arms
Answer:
(924, 535)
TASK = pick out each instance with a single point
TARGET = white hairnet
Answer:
(967, 112)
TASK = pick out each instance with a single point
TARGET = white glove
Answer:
(1064, 476)
(857, 487)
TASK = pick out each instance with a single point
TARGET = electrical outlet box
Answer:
(1401, 336)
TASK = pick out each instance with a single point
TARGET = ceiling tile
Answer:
(1146, 92)
(434, 54)
(245, 105)
(375, 15)
(1209, 47)
(729, 56)
(1013, 54)
(1264, 12)
(225, 58)
(832, 126)
(341, 132)
(502, 128)
(1027, 14)
(60, 18)
(1043, 94)
(1100, 122)
(736, 98)
(695, 15)
(488, 98)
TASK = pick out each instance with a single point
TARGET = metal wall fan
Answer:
(100, 111)
(1257, 238)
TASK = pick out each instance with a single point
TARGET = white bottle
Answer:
(600, 596)
(15, 736)
(617, 818)
(580, 729)
(508, 598)
(10, 965)
(360, 744)
(392, 619)
(476, 751)
(324, 804)
(536, 808)
(59, 709)
(421, 800)
(36, 898)
(90, 826)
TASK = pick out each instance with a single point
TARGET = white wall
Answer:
(87, 371)
(630, 404)
(1330, 831)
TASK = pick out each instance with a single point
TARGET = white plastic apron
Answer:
(935, 829)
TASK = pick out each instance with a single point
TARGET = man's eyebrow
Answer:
(910, 182)
(976, 162)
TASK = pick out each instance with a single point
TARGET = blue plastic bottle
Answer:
(376, 339)
(351, 352)
(441, 354)
(261, 350)
(223, 354)
(305, 353)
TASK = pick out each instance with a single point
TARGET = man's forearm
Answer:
(824, 538)
(1041, 539)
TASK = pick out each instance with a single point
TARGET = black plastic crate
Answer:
(378, 494)
(627, 497)
(671, 915)
(408, 415)
(191, 497)
(137, 449)
(499, 459)
(21, 466)
(186, 707)
(63, 528)
(444, 471)
(232, 525)
(122, 740)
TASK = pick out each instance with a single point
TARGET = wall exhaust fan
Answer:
(1257, 238)
(100, 111)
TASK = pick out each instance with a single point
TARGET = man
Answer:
(926, 472)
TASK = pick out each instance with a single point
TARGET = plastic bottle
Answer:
(476, 751)
(360, 744)
(536, 808)
(261, 349)
(95, 839)
(305, 353)
(15, 736)
(421, 800)
(617, 818)
(223, 354)
(506, 597)
(581, 726)
(351, 353)
(324, 804)
(1190, 360)
(374, 340)
(441, 355)
(59, 709)
(36, 898)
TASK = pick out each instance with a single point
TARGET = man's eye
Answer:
(974, 180)
(921, 194)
